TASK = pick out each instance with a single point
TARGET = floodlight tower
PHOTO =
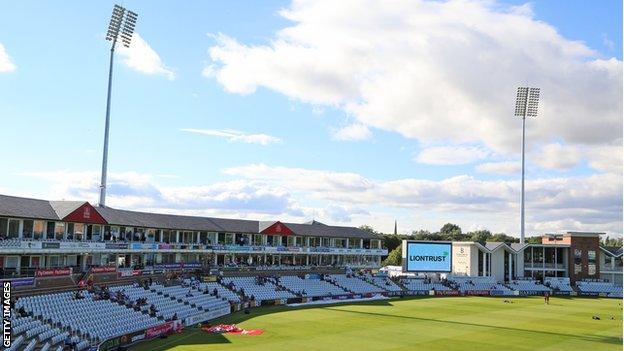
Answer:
(121, 26)
(527, 100)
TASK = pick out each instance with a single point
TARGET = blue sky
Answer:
(349, 114)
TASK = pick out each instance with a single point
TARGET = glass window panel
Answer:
(3, 227)
(38, 229)
(59, 230)
(13, 228)
(27, 231)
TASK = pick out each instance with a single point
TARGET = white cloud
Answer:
(504, 167)
(6, 65)
(605, 158)
(265, 192)
(558, 156)
(592, 201)
(354, 131)
(451, 155)
(131, 190)
(436, 71)
(237, 136)
(141, 57)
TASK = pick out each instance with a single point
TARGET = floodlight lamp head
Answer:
(122, 25)
(527, 100)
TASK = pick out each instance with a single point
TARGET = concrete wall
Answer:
(520, 264)
(465, 259)
(498, 264)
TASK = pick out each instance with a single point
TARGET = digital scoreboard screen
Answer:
(427, 256)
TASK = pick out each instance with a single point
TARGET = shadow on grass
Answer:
(195, 336)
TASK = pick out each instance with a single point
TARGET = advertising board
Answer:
(421, 256)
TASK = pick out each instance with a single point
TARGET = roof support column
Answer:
(509, 266)
(483, 270)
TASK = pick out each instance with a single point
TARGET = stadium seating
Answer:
(266, 291)
(600, 288)
(354, 284)
(80, 316)
(559, 284)
(529, 286)
(221, 291)
(382, 282)
(15, 345)
(414, 284)
(166, 306)
(476, 284)
(197, 298)
(310, 287)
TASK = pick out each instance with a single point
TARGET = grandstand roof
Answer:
(517, 246)
(64, 208)
(19, 207)
(13, 206)
(612, 250)
(330, 230)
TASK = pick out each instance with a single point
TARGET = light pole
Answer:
(121, 26)
(527, 100)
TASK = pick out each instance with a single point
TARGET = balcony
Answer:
(23, 246)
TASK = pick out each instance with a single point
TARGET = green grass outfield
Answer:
(450, 323)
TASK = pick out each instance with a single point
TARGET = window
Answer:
(257, 239)
(38, 230)
(3, 227)
(139, 234)
(166, 236)
(375, 244)
(270, 240)
(79, 230)
(50, 230)
(72, 260)
(366, 243)
(35, 261)
(59, 230)
(27, 231)
(354, 243)
(607, 260)
(128, 234)
(151, 235)
(203, 237)
(229, 238)
(53, 261)
(96, 233)
(114, 231)
(11, 261)
(13, 228)
(591, 255)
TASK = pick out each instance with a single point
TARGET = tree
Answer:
(533, 240)
(612, 242)
(368, 229)
(451, 231)
(502, 237)
(391, 241)
(394, 257)
(481, 236)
